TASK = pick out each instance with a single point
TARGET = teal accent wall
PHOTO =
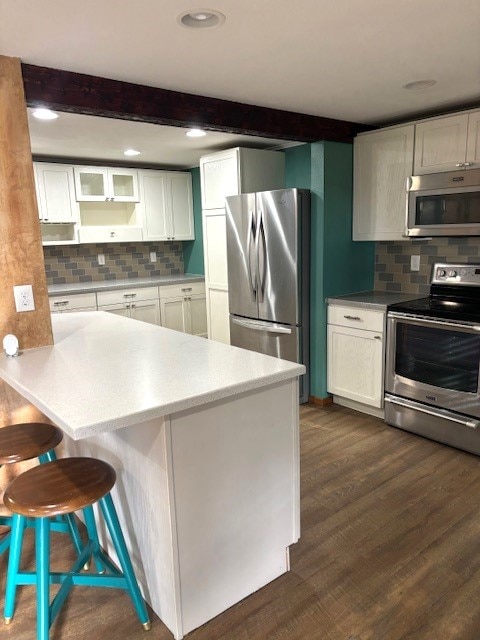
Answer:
(193, 249)
(338, 265)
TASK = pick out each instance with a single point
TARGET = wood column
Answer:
(21, 253)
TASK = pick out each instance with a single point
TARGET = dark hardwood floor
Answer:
(390, 550)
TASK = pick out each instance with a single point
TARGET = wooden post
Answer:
(21, 254)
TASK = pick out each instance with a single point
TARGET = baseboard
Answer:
(358, 406)
(321, 402)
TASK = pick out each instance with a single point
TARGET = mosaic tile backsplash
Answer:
(392, 261)
(69, 264)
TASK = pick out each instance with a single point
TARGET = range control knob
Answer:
(441, 273)
(452, 273)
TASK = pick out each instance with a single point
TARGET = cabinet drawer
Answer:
(71, 302)
(181, 290)
(356, 317)
(109, 234)
(119, 296)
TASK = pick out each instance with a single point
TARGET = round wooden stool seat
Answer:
(59, 487)
(26, 441)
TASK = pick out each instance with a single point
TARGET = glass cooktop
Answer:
(456, 309)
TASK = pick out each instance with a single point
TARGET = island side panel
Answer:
(140, 455)
(236, 488)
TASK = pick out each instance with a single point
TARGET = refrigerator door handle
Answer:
(252, 278)
(261, 268)
(269, 327)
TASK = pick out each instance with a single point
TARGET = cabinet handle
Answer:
(377, 337)
(129, 295)
(61, 303)
(352, 317)
(112, 234)
(460, 164)
(469, 164)
(187, 289)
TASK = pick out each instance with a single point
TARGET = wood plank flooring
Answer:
(390, 550)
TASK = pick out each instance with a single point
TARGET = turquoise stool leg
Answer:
(110, 515)
(42, 557)
(18, 529)
(93, 537)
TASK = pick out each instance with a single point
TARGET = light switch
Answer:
(415, 263)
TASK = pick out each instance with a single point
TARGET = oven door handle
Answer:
(433, 322)
(431, 411)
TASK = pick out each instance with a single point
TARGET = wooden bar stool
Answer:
(20, 442)
(55, 489)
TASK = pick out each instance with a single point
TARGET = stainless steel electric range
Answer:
(433, 359)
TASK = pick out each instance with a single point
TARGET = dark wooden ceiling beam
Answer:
(91, 95)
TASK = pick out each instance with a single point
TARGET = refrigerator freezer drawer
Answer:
(272, 339)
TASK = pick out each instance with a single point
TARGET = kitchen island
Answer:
(204, 439)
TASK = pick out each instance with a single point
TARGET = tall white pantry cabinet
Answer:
(223, 174)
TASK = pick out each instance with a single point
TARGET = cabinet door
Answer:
(154, 205)
(55, 192)
(215, 248)
(218, 317)
(147, 311)
(181, 206)
(473, 140)
(440, 145)
(219, 175)
(117, 309)
(197, 315)
(91, 184)
(173, 313)
(123, 185)
(355, 364)
(383, 161)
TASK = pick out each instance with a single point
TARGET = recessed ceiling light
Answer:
(45, 114)
(131, 152)
(419, 84)
(201, 19)
(196, 133)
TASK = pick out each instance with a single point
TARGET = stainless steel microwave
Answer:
(444, 204)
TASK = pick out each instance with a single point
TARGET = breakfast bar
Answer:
(204, 439)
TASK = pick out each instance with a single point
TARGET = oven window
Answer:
(439, 357)
(451, 208)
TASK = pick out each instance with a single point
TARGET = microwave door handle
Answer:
(407, 207)
(432, 411)
(252, 278)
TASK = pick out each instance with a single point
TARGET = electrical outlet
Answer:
(101, 259)
(153, 256)
(23, 295)
(415, 263)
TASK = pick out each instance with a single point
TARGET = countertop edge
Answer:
(113, 285)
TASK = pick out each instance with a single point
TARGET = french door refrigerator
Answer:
(268, 257)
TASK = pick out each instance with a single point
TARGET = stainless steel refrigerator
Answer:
(268, 256)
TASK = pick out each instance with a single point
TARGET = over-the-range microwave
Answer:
(444, 204)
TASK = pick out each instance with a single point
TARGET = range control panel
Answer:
(462, 274)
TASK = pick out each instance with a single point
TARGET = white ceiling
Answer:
(344, 59)
(94, 138)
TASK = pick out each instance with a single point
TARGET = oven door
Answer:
(444, 204)
(433, 361)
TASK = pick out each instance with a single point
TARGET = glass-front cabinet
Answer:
(103, 184)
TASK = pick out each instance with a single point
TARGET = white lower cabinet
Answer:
(356, 354)
(183, 308)
(139, 304)
(75, 302)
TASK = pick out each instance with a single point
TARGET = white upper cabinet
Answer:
(383, 160)
(220, 178)
(448, 144)
(473, 139)
(55, 193)
(100, 184)
(166, 205)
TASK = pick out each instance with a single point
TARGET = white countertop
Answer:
(377, 300)
(126, 283)
(106, 372)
